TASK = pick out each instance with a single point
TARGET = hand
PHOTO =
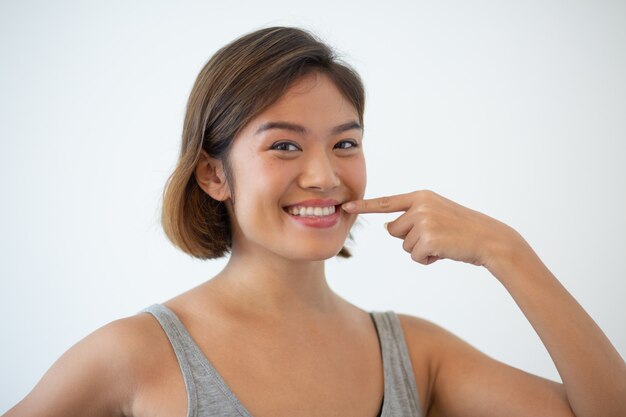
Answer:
(434, 228)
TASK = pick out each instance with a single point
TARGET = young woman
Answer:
(272, 171)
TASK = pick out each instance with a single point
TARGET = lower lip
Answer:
(318, 221)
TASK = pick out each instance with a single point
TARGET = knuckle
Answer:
(427, 195)
(427, 222)
(390, 229)
(424, 208)
(383, 202)
(429, 240)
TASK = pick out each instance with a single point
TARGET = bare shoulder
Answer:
(424, 338)
(97, 376)
(419, 326)
(428, 338)
(433, 342)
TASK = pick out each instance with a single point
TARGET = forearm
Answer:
(593, 372)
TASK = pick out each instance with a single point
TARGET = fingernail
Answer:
(349, 206)
(386, 225)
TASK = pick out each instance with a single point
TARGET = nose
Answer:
(319, 172)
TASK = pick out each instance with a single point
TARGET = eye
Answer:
(353, 143)
(283, 146)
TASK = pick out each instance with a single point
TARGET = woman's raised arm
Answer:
(467, 382)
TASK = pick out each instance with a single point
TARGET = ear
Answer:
(210, 177)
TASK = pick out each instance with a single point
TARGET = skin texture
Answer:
(256, 318)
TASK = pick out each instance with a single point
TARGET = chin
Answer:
(312, 254)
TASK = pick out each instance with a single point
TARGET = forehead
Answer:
(312, 101)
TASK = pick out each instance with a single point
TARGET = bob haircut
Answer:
(240, 80)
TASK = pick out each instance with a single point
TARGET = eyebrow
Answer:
(301, 129)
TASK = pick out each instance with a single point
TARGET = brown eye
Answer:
(283, 146)
(353, 144)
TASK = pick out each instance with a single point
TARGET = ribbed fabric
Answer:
(209, 396)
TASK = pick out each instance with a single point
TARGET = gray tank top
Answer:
(208, 395)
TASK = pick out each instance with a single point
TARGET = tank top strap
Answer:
(400, 391)
(181, 342)
(207, 392)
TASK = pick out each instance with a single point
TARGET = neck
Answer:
(262, 283)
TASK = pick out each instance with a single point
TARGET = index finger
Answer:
(387, 204)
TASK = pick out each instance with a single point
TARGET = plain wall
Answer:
(514, 109)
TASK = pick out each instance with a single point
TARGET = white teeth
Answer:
(312, 211)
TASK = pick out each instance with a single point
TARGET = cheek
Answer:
(261, 184)
(356, 177)
(272, 176)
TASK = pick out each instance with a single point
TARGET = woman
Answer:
(272, 171)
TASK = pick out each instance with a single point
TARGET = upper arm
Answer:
(466, 382)
(92, 378)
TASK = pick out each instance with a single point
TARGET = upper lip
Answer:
(315, 203)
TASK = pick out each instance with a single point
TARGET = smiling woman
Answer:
(272, 171)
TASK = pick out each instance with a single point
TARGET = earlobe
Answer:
(210, 177)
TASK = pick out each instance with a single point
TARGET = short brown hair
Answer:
(239, 81)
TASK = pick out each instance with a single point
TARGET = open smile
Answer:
(317, 217)
(312, 211)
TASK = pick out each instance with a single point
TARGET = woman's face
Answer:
(278, 168)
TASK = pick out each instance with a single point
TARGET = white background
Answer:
(514, 109)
